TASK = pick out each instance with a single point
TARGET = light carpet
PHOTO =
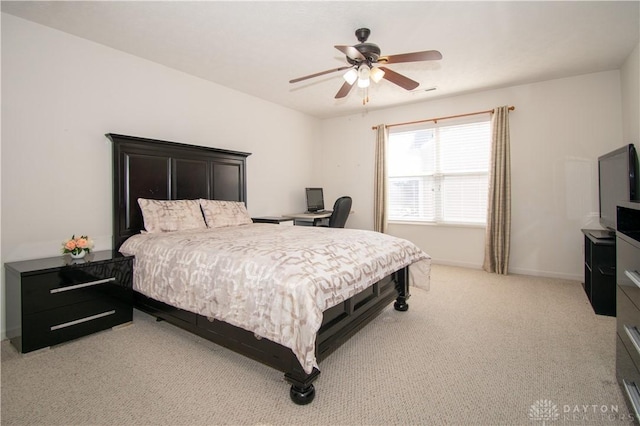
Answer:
(477, 349)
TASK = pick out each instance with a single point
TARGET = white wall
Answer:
(558, 130)
(61, 94)
(630, 85)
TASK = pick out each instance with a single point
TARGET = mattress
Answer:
(272, 280)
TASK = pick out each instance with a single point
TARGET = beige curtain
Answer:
(498, 234)
(380, 180)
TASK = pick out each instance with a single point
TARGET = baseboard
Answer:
(454, 263)
(547, 274)
(516, 271)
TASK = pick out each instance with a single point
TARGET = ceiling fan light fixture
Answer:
(376, 75)
(362, 60)
(363, 76)
(350, 76)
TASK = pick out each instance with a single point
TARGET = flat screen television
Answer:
(617, 181)
(315, 199)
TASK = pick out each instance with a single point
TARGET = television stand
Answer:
(602, 234)
(600, 271)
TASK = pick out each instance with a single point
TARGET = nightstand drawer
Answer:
(68, 286)
(55, 326)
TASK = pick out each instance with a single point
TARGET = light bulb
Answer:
(376, 74)
(363, 83)
(363, 76)
(350, 76)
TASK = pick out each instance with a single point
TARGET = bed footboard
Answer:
(339, 324)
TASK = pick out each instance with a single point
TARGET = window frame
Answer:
(438, 176)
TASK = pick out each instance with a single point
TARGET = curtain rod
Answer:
(435, 120)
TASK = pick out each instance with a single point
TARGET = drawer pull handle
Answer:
(633, 276)
(634, 335)
(634, 396)
(81, 320)
(77, 286)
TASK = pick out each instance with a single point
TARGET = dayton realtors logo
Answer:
(545, 411)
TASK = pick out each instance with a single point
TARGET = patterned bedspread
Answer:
(273, 280)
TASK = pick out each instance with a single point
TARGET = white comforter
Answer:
(273, 280)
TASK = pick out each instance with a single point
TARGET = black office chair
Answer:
(340, 214)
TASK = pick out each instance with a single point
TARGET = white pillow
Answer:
(171, 215)
(218, 214)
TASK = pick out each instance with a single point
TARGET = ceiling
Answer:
(257, 47)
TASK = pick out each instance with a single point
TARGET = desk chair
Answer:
(341, 210)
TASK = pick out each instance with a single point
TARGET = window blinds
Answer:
(439, 172)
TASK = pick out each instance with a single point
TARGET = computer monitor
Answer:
(315, 199)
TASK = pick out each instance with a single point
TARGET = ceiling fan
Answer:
(364, 65)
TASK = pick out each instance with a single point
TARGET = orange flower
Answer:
(76, 245)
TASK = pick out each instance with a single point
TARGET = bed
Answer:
(282, 265)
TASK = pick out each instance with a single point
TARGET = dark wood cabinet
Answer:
(53, 300)
(600, 271)
(628, 303)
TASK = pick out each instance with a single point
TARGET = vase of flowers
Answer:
(77, 247)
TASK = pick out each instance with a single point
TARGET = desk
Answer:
(272, 219)
(308, 219)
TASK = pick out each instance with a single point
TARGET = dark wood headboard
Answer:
(161, 170)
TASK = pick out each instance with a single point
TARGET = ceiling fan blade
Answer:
(295, 80)
(399, 79)
(351, 52)
(427, 55)
(344, 90)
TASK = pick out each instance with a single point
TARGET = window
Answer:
(439, 173)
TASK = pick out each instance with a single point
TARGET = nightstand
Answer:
(273, 219)
(53, 300)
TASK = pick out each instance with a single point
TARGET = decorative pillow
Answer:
(171, 215)
(218, 214)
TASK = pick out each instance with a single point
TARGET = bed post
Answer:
(302, 390)
(402, 286)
